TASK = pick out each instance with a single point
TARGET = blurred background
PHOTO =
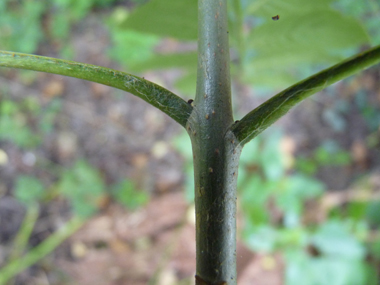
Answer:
(101, 167)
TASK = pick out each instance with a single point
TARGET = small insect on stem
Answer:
(275, 18)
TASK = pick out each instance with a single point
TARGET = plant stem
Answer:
(21, 240)
(270, 111)
(215, 150)
(161, 98)
(40, 251)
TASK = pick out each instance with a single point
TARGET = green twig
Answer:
(23, 235)
(154, 94)
(13, 268)
(270, 111)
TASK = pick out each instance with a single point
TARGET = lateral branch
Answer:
(161, 98)
(271, 110)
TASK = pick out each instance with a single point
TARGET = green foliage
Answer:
(25, 24)
(339, 260)
(131, 47)
(272, 202)
(366, 11)
(126, 194)
(182, 144)
(263, 179)
(268, 53)
(334, 240)
(296, 41)
(308, 32)
(166, 18)
(83, 186)
(29, 189)
(327, 154)
(306, 270)
(16, 121)
(372, 213)
(20, 25)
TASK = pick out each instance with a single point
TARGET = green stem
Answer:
(215, 150)
(161, 98)
(13, 268)
(270, 111)
(23, 235)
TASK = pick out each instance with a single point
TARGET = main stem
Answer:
(215, 150)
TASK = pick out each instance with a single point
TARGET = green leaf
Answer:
(250, 153)
(165, 61)
(28, 189)
(254, 196)
(271, 158)
(338, 271)
(83, 186)
(305, 187)
(15, 129)
(20, 27)
(262, 238)
(372, 213)
(313, 36)
(132, 47)
(126, 194)
(270, 8)
(183, 145)
(314, 32)
(8, 107)
(307, 270)
(187, 84)
(356, 210)
(167, 18)
(334, 240)
(292, 193)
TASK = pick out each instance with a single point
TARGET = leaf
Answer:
(251, 152)
(338, 271)
(28, 189)
(262, 238)
(187, 84)
(83, 186)
(307, 270)
(254, 195)
(126, 194)
(15, 129)
(334, 240)
(292, 193)
(165, 61)
(271, 157)
(313, 36)
(168, 18)
(20, 27)
(317, 32)
(270, 8)
(131, 47)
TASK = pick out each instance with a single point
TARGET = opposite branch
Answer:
(161, 98)
(270, 111)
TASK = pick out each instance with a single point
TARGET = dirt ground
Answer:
(124, 137)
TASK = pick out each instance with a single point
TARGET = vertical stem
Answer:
(215, 150)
